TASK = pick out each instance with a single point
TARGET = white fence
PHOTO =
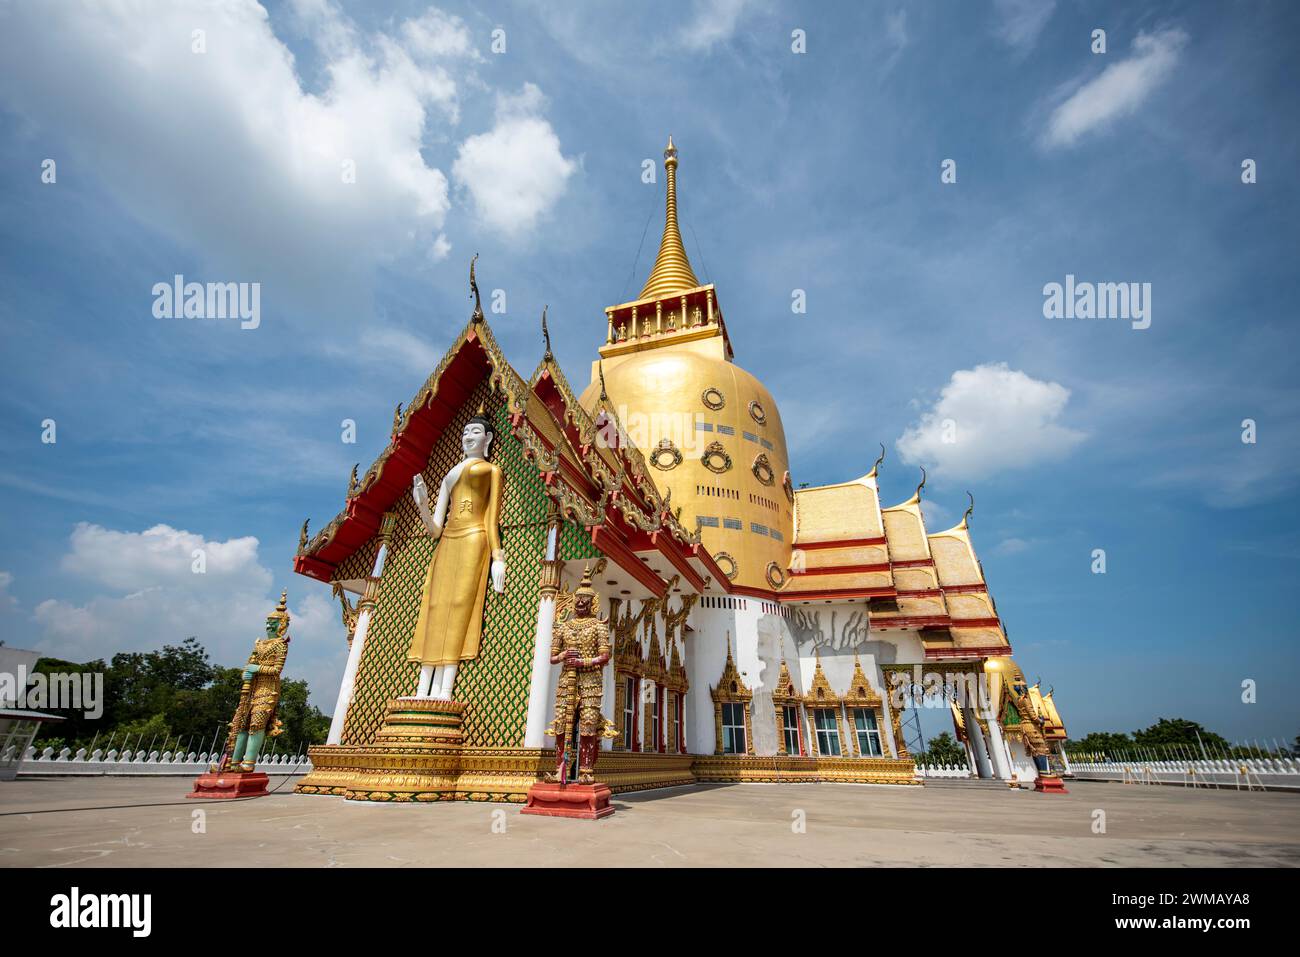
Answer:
(943, 771)
(127, 763)
(1240, 773)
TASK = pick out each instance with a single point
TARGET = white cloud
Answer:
(516, 171)
(1012, 546)
(1118, 90)
(990, 419)
(148, 595)
(715, 22)
(225, 149)
(1019, 22)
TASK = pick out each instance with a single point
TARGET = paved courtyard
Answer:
(146, 822)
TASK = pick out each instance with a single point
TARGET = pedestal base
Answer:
(229, 784)
(588, 802)
(416, 755)
(1050, 784)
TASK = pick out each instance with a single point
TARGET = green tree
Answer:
(943, 749)
(176, 698)
(1179, 732)
(1109, 743)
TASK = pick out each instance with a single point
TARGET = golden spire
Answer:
(672, 270)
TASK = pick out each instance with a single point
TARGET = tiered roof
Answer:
(595, 477)
(846, 546)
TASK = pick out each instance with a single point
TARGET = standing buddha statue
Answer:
(465, 521)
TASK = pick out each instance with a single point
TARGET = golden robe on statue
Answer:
(451, 605)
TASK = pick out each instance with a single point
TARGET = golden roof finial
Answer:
(600, 367)
(546, 335)
(302, 536)
(473, 288)
(352, 481)
(876, 467)
(969, 509)
(672, 271)
(917, 494)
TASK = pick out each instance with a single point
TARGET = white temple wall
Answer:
(1023, 768)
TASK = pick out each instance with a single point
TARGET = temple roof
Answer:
(672, 270)
(847, 547)
(605, 488)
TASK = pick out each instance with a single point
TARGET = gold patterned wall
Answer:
(495, 685)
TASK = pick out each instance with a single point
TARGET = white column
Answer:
(976, 738)
(540, 688)
(354, 653)
(998, 747)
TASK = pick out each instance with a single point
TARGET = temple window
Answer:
(731, 717)
(733, 728)
(733, 523)
(828, 734)
(865, 713)
(767, 445)
(674, 722)
(710, 521)
(656, 722)
(628, 740)
(726, 430)
(867, 729)
(790, 729)
(703, 426)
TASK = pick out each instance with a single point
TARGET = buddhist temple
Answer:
(760, 631)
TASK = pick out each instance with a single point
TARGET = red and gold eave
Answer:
(602, 485)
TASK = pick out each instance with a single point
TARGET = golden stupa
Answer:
(711, 431)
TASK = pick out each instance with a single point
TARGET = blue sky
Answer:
(817, 171)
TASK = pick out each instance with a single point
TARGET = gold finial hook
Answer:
(473, 288)
(352, 481)
(879, 460)
(917, 493)
(600, 367)
(970, 508)
(546, 334)
(302, 536)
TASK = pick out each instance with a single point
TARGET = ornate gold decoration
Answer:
(353, 484)
(666, 455)
(784, 695)
(727, 563)
(762, 469)
(713, 398)
(302, 536)
(715, 458)
(350, 611)
(546, 336)
(787, 486)
(757, 412)
(862, 695)
(775, 576)
(821, 696)
(965, 519)
(731, 689)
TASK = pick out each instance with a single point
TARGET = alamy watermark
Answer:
(58, 691)
(932, 689)
(179, 299)
(1100, 300)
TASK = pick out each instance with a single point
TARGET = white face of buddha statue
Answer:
(475, 440)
